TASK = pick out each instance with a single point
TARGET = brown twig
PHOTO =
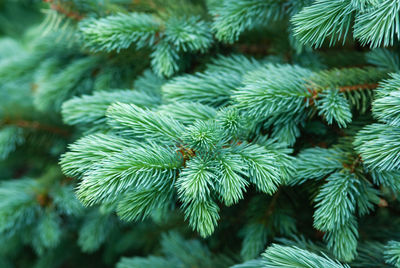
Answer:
(315, 92)
(36, 126)
(186, 154)
(358, 87)
(272, 205)
(68, 13)
(355, 163)
(43, 199)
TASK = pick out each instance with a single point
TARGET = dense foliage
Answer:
(199, 133)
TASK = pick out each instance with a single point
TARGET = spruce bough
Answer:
(201, 133)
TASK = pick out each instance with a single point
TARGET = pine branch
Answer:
(308, 166)
(333, 106)
(139, 204)
(335, 201)
(232, 18)
(378, 145)
(322, 20)
(379, 25)
(282, 256)
(222, 76)
(202, 216)
(342, 240)
(88, 109)
(135, 121)
(392, 253)
(196, 180)
(119, 31)
(94, 231)
(144, 166)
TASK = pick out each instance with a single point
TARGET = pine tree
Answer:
(199, 133)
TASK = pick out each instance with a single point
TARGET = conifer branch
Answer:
(218, 137)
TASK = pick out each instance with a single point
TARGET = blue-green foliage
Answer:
(311, 167)
(23, 211)
(274, 89)
(254, 241)
(168, 37)
(10, 138)
(205, 160)
(94, 230)
(378, 143)
(340, 190)
(392, 253)
(284, 256)
(345, 192)
(188, 34)
(214, 86)
(178, 252)
(194, 145)
(334, 106)
(233, 17)
(220, 116)
(119, 31)
(88, 109)
(284, 96)
(385, 106)
(48, 232)
(265, 221)
(384, 58)
(376, 23)
(386, 178)
(18, 206)
(165, 59)
(75, 79)
(336, 204)
(379, 25)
